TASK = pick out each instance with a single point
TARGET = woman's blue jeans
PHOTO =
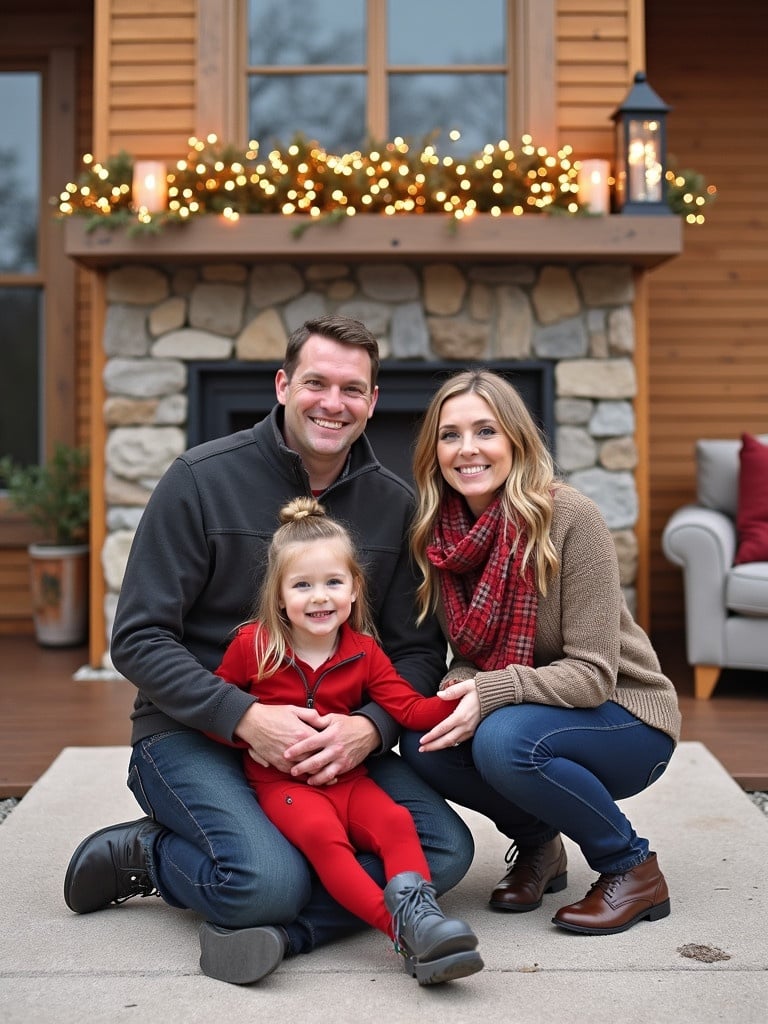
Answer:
(220, 856)
(536, 770)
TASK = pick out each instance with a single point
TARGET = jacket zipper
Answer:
(312, 692)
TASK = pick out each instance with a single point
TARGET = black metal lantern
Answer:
(641, 151)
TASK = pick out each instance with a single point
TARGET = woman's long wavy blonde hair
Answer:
(527, 496)
(304, 521)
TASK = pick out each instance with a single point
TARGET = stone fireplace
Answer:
(191, 344)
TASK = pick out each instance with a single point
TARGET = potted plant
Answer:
(55, 497)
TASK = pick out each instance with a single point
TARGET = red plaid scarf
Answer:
(490, 609)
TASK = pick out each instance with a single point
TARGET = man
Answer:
(191, 578)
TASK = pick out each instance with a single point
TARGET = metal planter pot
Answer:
(59, 582)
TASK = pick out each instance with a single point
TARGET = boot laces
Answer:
(416, 903)
(512, 854)
(533, 856)
(140, 886)
(608, 884)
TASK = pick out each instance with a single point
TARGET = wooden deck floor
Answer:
(43, 710)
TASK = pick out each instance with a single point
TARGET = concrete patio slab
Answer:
(139, 960)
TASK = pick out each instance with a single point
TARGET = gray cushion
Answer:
(746, 590)
(717, 473)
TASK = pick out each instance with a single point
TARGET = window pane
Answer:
(306, 32)
(20, 328)
(327, 108)
(472, 104)
(19, 170)
(446, 31)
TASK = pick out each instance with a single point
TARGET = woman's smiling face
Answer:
(473, 452)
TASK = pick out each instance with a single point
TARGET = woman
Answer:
(561, 692)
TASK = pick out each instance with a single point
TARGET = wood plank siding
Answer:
(147, 66)
(595, 59)
(15, 598)
(708, 308)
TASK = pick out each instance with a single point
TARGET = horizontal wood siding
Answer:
(709, 307)
(15, 599)
(146, 75)
(593, 71)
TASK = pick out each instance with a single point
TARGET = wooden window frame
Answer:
(56, 61)
(221, 73)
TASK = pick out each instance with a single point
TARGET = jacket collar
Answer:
(361, 457)
(351, 645)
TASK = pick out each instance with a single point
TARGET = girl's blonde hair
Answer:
(526, 497)
(304, 521)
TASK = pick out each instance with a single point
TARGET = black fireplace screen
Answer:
(229, 396)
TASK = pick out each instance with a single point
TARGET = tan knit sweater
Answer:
(588, 648)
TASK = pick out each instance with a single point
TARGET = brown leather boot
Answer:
(616, 902)
(534, 871)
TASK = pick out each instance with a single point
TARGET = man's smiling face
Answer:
(328, 401)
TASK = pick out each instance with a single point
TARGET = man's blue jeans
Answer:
(221, 857)
(536, 770)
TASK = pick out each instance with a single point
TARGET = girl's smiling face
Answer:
(317, 590)
(473, 452)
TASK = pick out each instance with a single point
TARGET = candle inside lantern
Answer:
(150, 187)
(594, 194)
(644, 166)
(652, 172)
(636, 162)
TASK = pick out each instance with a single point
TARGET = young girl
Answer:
(311, 644)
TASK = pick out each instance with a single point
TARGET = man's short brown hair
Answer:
(343, 329)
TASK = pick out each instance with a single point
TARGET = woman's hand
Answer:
(460, 725)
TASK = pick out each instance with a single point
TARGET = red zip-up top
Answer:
(358, 670)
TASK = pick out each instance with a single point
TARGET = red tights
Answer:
(329, 823)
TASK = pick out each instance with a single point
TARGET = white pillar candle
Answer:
(150, 188)
(594, 194)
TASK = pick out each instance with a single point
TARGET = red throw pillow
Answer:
(752, 515)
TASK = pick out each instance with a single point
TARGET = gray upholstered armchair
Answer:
(726, 605)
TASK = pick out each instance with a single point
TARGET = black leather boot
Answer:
(533, 872)
(436, 948)
(110, 867)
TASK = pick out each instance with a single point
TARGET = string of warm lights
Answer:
(688, 194)
(303, 180)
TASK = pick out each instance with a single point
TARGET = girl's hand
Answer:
(458, 726)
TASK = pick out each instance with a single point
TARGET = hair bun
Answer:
(301, 508)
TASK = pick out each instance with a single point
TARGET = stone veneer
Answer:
(580, 317)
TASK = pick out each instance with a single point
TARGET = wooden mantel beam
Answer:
(643, 242)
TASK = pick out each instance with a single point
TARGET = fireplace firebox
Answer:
(233, 395)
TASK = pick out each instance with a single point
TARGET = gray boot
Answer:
(436, 948)
(240, 956)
